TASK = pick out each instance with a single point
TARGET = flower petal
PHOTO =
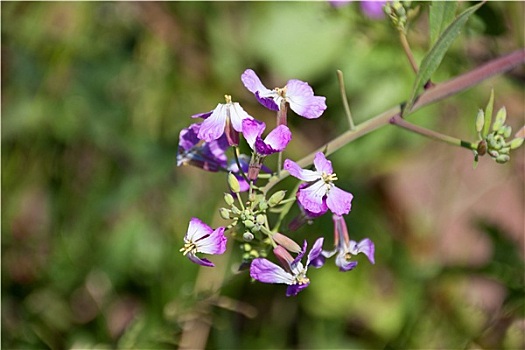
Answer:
(339, 201)
(316, 251)
(215, 243)
(213, 127)
(311, 197)
(279, 138)
(251, 129)
(252, 82)
(200, 261)
(322, 165)
(302, 101)
(197, 230)
(366, 246)
(294, 289)
(302, 174)
(265, 271)
(237, 115)
(202, 115)
(344, 264)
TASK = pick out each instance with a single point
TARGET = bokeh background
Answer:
(94, 209)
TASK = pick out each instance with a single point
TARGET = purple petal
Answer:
(316, 250)
(344, 264)
(373, 9)
(338, 3)
(200, 261)
(302, 101)
(237, 115)
(213, 127)
(252, 82)
(319, 261)
(299, 256)
(366, 246)
(322, 165)
(251, 129)
(339, 201)
(197, 230)
(202, 115)
(188, 137)
(311, 197)
(215, 243)
(267, 102)
(302, 174)
(279, 138)
(294, 289)
(266, 271)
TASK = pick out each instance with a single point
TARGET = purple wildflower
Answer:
(298, 94)
(346, 248)
(294, 272)
(209, 156)
(276, 141)
(200, 238)
(225, 118)
(320, 191)
(371, 9)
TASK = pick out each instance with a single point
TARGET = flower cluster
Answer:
(248, 208)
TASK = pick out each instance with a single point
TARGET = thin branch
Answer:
(345, 99)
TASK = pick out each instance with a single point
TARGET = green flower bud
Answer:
(493, 153)
(248, 224)
(225, 213)
(506, 131)
(516, 143)
(480, 121)
(246, 247)
(504, 150)
(228, 198)
(247, 236)
(263, 205)
(500, 119)
(503, 158)
(235, 210)
(233, 183)
(254, 253)
(260, 219)
(276, 198)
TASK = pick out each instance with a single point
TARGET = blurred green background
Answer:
(94, 209)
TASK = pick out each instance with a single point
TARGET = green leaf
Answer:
(488, 115)
(441, 14)
(435, 55)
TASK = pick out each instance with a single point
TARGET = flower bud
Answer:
(503, 158)
(260, 219)
(228, 198)
(248, 224)
(480, 121)
(500, 119)
(284, 257)
(516, 143)
(233, 183)
(276, 198)
(247, 236)
(224, 213)
(286, 242)
(263, 205)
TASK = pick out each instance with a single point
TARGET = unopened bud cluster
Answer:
(399, 13)
(495, 142)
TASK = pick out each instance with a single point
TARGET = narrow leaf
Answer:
(488, 114)
(441, 14)
(434, 57)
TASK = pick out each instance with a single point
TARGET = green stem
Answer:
(408, 51)
(345, 99)
(429, 96)
(397, 120)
